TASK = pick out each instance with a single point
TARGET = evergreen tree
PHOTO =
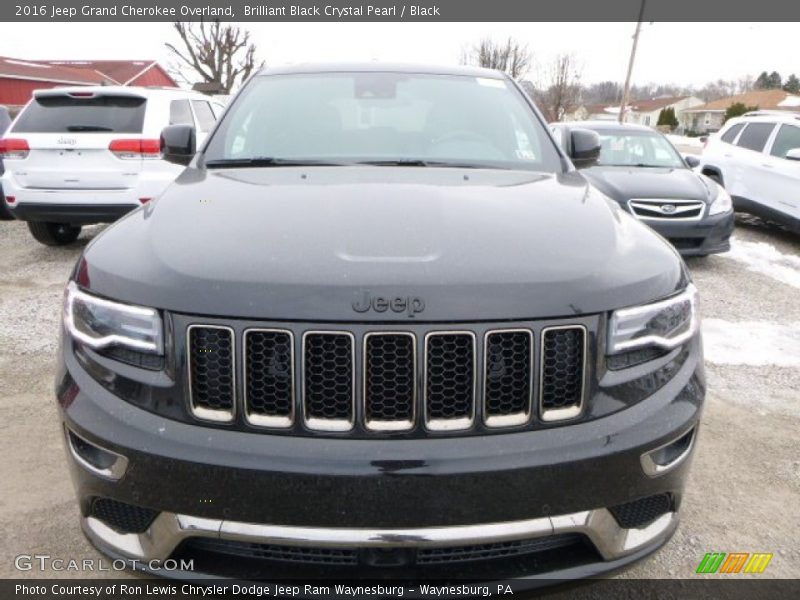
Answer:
(775, 81)
(737, 109)
(792, 84)
(762, 81)
(667, 118)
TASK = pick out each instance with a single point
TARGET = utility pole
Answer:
(627, 89)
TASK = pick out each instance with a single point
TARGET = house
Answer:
(644, 112)
(709, 117)
(19, 78)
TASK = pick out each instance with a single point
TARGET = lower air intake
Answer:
(642, 512)
(123, 517)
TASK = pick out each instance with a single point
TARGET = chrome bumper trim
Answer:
(170, 529)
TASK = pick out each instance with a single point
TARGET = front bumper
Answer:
(709, 235)
(321, 493)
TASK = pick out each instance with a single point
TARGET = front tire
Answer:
(54, 234)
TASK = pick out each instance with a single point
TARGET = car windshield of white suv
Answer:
(82, 113)
(629, 148)
(392, 119)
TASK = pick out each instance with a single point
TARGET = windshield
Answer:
(82, 114)
(637, 149)
(382, 118)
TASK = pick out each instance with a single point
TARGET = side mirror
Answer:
(691, 160)
(793, 154)
(584, 147)
(178, 144)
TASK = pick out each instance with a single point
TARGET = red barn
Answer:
(19, 78)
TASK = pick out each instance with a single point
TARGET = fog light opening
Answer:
(95, 459)
(670, 455)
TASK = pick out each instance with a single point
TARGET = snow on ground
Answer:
(682, 140)
(756, 343)
(766, 259)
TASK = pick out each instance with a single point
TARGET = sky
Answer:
(680, 53)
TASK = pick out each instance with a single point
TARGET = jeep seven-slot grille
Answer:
(328, 372)
(211, 372)
(563, 363)
(365, 381)
(389, 381)
(269, 377)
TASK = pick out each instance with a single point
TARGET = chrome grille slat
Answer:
(450, 374)
(390, 382)
(562, 372)
(269, 372)
(211, 361)
(507, 377)
(328, 380)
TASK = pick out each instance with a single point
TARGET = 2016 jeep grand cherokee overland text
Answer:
(380, 326)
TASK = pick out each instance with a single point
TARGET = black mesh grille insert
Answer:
(427, 556)
(450, 376)
(293, 554)
(269, 389)
(126, 518)
(562, 368)
(211, 368)
(389, 372)
(329, 376)
(641, 512)
(508, 373)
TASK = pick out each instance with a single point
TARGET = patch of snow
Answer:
(682, 140)
(757, 343)
(766, 259)
(790, 101)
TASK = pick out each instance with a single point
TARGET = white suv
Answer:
(84, 155)
(757, 158)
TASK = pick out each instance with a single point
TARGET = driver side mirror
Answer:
(793, 154)
(178, 144)
(584, 148)
(691, 160)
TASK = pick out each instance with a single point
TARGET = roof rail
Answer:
(772, 113)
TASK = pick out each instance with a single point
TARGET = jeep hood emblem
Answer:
(411, 305)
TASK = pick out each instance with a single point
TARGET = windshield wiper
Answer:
(417, 162)
(268, 161)
(88, 128)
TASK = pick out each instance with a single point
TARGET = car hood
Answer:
(306, 243)
(624, 183)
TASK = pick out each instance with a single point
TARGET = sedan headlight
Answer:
(722, 203)
(100, 323)
(665, 324)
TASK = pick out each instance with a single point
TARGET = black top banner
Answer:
(386, 11)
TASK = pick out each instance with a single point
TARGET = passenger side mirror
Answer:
(793, 154)
(584, 147)
(178, 144)
(691, 160)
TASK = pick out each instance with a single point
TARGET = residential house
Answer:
(709, 117)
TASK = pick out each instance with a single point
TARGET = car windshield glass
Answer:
(383, 119)
(637, 149)
(82, 114)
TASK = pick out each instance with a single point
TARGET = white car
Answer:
(756, 157)
(82, 155)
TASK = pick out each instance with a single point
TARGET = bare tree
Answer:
(561, 89)
(510, 56)
(220, 54)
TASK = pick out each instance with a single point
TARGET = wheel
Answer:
(54, 234)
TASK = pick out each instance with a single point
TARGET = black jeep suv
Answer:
(380, 326)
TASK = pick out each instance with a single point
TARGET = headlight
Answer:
(722, 203)
(665, 324)
(101, 323)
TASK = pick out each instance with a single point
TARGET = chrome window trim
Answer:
(570, 412)
(498, 421)
(633, 203)
(459, 424)
(209, 414)
(330, 425)
(384, 425)
(261, 420)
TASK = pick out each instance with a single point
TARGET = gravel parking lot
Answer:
(744, 492)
